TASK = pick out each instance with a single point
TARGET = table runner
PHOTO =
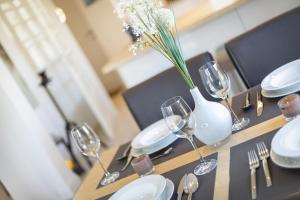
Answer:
(88, 188)
(206, 182)
(182, 146)
(286, 182)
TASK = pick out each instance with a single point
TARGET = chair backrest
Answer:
(258, 52)
(145, 99)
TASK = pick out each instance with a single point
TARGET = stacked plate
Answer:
(285, 148)
(153, 187)
(282, 81)
(152, 139)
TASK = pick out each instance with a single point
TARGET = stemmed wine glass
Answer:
(217, 84)
(89, 145)
(180, 120)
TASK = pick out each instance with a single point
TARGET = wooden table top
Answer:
(88, 191)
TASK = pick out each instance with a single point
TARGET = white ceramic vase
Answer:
(213, 120)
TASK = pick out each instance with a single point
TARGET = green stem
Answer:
(166, 44)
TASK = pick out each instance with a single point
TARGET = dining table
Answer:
(231, 178)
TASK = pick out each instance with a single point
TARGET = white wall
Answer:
(31, 166)
(77, 21)
(106, 25)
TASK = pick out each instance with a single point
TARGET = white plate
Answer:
(146, 188)
(286, 142)
(285, 162)
(275, 94)
(168, 192)
(283, 77)
(152, 139)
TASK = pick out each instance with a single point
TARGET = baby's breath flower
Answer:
(153, 25)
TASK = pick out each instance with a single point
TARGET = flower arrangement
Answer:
(155, 27)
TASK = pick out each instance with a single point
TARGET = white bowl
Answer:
(146, 188)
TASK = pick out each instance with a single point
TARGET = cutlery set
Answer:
(259, 103)
(263, 155)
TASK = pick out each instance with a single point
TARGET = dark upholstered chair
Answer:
(258, 52)
(145, 99)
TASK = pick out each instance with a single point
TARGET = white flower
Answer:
(167, 18)
(142, 15)
(140, 44)
(154, 27)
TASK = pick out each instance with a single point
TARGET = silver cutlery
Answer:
(165, 153)
(191, 185)
(247, 103)
(125, 153)
(129, 158)
(259, 105)
(180, 187)
(264, 155)
(253, 164)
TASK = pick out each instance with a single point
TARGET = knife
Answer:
(125, 153)
(180, 187)
(259, 105)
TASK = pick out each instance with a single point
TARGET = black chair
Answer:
(258, 52)
(145, 99)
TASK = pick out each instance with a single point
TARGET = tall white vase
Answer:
(213, 120)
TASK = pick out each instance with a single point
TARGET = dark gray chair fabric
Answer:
(258, 52)
(145, 99)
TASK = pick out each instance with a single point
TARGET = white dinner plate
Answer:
(285, 146)
(280, 93)
(152, 139)
(146, 188)
(285, 162)
(283, 77)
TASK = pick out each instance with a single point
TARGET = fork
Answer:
(264, 155)
(253, 164)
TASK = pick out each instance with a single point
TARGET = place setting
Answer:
(258, 103)
(269, 162)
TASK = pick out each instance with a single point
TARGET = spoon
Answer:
(247, 104)
(191, 185)
(165, 153)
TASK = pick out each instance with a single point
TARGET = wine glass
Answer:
(89, 145)
(180, 120)
(217, 84)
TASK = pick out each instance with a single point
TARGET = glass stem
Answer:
(231, 110)
(190, 138)
(101, 164)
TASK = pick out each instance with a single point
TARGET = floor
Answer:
(126, 128)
